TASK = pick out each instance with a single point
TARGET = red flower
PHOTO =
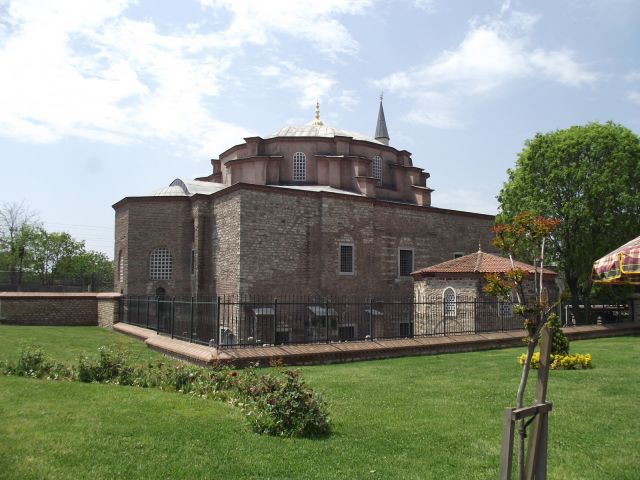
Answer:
(233, 373)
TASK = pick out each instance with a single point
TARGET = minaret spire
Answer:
(382, 135)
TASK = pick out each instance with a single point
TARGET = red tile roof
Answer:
(478, 262)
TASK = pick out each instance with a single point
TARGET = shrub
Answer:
(112, 366)
(559, 341)
(33, 362)
(560, 362)
(275, 403)
(281, 404)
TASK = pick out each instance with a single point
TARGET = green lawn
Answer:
(418, 417)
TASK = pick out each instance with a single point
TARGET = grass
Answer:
(416, 417)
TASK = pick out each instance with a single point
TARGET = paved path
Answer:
(351, 351)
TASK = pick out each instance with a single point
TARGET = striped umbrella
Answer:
(622, 266)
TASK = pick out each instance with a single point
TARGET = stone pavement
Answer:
(352, 351)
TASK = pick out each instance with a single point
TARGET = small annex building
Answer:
(450, 296)
(310, 210)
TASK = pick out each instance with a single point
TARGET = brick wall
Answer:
(253, 239)
(58, 309)
(226, 244)
(290, 242)
(143, 225)
(107, 309)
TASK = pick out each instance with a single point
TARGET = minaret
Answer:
(382, 135)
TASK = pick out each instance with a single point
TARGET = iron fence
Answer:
(232, 321)
(27, 281)
(595, 314)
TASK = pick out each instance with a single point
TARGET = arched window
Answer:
(506, 306)
(161, 264)
(299, 167)
(376, 167)
(449, 300)
(121, 267)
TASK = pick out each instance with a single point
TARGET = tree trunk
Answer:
(526, 368)
(586, 301)
(572, 282)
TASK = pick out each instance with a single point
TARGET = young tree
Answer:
(588, 177)
(529, 231)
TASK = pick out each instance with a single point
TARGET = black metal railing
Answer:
(595, 314)
(231, 321)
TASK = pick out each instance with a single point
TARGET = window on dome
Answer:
(299, 167)
(161, 264)
(377, 169)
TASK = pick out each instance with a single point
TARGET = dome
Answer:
(314, 130)
(170, 191)
(186, 188)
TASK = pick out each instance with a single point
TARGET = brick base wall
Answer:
(58, 309)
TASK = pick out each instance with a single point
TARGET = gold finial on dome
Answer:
(317, 120)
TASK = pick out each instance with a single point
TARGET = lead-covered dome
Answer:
(314, 130)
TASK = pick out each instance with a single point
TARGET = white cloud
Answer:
(426, 5)
(84, 69)
(255, 21)
(560, 66)
(347, 99)
(309, 85)
(493, 53)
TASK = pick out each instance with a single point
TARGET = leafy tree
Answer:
(95, 269)
(588, 177)
(49, 250)
(16, 220)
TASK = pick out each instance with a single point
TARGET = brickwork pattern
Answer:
(59, 309)
(141, 227)
(267, 240)
(107, 309)
(290, 242)
(48, 309)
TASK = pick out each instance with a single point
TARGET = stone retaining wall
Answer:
(59, 309)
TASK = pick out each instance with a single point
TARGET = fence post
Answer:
(172, 312)
(191, 321)
(444, 315)
(157, 315)
(326, 318)
(275, 320)
(217, 324)
(148, 304)
(370, 318)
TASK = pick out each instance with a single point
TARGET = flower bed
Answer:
(576, 361)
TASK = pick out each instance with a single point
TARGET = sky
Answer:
(105, 99)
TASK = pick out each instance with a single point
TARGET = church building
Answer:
(309, 210)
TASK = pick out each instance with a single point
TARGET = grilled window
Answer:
(346, 258)
(121, 267)
(449, 298)
(405, 262)
(299, 167)
(376, 167)
(161, 264)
